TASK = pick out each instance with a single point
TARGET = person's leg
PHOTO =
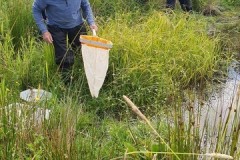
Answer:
(74, 35)
(74, 41)
(63, 57)
(183, 5)
(171, 4)
(186, 5)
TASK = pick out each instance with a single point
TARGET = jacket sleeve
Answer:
(37, 8)
(87, 12)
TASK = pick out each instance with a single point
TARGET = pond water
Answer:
(220, 114)
(223, 97)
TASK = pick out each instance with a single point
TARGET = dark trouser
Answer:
(65, 41)
(185, 4)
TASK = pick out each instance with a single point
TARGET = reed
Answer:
(186, 140)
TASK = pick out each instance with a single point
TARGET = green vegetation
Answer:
(157, 58)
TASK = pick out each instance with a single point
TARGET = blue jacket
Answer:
(62, 13)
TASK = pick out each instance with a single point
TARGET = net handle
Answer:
(94, 32)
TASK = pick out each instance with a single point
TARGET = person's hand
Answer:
(47, 37)
(94, 27)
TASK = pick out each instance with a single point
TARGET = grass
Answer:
(156, 57)
(157, 54)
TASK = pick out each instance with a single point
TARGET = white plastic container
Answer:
(34, 95)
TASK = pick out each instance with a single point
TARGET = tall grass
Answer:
(231, 2)
(20, 21)
(110, 9)
(159, 53)
(155, 56)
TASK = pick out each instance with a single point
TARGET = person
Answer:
(185, 4)
(61, 23)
